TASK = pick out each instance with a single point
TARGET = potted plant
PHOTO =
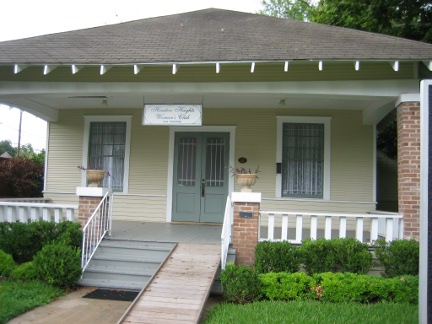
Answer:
(245, 177)
(94, 175)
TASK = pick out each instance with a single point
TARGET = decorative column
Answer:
(245, 225)
(408, 124)
(89, 199)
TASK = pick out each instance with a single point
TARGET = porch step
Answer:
(125, 264)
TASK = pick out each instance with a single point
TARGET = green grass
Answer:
(313, 312)
(19, 297)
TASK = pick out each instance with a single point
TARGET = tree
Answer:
(6, 146)
(410, 19)
(21, 177)
(293, 9)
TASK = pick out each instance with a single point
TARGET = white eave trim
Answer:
(137, 67)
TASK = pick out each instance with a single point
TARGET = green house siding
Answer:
(351, 181)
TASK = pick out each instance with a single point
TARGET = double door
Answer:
(200, 182)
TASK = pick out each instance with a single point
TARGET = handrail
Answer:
(392, 223)
(95, 229)
(226, 235)
(35, 211)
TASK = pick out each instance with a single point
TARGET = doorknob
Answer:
(202, 187)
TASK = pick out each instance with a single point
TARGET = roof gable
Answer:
(210, 35)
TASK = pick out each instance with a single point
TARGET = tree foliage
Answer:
(293, 9)
(21, 177)
(6, 146)
(410, 19)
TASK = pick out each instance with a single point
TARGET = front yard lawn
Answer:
(18, 297)
(307, 312)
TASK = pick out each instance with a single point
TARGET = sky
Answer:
(27, 18)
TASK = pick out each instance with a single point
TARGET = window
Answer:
(106, 147)
(303, 151)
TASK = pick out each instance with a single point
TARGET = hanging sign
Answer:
(173, 115)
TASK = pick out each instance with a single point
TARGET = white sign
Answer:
(173, 115)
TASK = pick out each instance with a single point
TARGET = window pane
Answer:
(303, 160)
(186, 168)
(215, 160)
(107, 151)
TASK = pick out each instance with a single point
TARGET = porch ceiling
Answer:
(44, 99)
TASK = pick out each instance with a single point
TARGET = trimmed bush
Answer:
(24, 240)
(343, 254)
(339, 288)
(276, 257)
(25, 272)
(351, 255)
(58, 265)
(287, 286)
(318, 256)
(7, 264)
(240, 284)
(399, 257)
(350, 287)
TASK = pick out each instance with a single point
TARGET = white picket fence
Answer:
(297, 226)
(35, 209)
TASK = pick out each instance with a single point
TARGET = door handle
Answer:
(202, 187)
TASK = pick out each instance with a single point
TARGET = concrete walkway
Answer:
(72, 309)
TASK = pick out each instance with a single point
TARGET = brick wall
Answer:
(87, 206)
(245, 232)
(408, 114)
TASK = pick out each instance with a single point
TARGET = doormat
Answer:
(112, 294)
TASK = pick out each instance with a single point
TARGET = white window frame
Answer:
(110, 118)
(305, 120)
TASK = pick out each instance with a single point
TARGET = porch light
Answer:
(282, 102)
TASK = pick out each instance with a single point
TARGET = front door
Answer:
(200, 185)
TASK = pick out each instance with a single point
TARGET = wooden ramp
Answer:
(179, 291)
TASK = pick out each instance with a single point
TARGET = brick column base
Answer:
(87, 206)
(245, 226)
(89, 199)
(408, 121)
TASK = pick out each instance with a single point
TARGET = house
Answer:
(167, 104)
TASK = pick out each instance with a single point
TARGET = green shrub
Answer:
(24, 240)
(276, 257)
(399, 257)
(351, 255)
(350, 287)
(58, 265)
(240, 284)
(7, 264)
(318, 256)
(287, 286)
(405, 289)
(343, 254)
(25, 272)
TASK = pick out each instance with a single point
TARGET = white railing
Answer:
(95, 229)
(226, 235)
(29, 200)
(15, 211)
(292, 227)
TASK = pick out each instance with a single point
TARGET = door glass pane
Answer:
(215, 162)
(303, 160)
(186, 168)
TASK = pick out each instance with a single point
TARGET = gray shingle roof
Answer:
(210, 35)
